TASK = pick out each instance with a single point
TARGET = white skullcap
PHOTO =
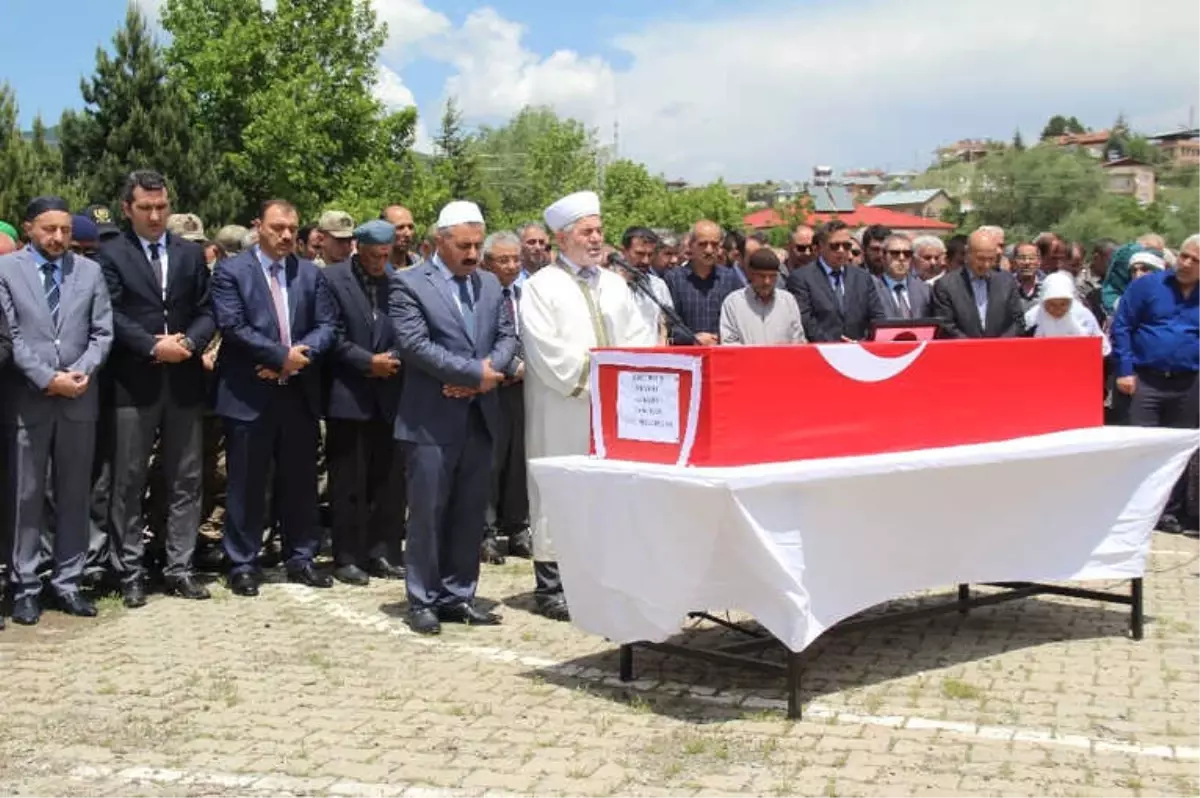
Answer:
(1149, 259)
(572, 208)
(459, 212)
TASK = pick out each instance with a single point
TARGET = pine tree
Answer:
(1018, 143)
(136, 118)
(28, 166)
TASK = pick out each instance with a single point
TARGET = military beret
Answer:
(375, 231)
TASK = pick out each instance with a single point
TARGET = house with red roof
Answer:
(861, 216)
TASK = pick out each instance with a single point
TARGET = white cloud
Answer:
(391, 91)
(497, 76)
(409, 23)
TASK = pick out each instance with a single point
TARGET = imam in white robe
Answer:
(562, 319)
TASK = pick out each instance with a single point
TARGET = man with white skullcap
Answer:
(567, 309)
(455, 334)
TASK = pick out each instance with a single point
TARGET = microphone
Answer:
(615, 261)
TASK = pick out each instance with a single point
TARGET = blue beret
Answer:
(84, 229)
(376, 231)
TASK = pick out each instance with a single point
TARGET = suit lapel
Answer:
(974, 316)
(67, 291)
(442, 288)
(477, 288)
(258, 282)
(143, 263)
(33, 281)
(292, 270)
(350, 279)
(175, 252)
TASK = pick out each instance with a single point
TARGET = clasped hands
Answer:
(170, 349)
(68, 384)
(297, 358)
(491, 378)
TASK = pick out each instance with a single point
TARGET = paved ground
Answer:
(326, 692)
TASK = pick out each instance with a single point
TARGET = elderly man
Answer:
(566, 310)
(337, 237)
(455, 334)
(978, 301)
(1157, 352)
(838, 302)
(759, 314)
(401, 219)
(801, 250)
(535, 248)
(276, 318)
(366, 469)
(61, 324)
(902, 294)
(637, 246)
(510, 488)
(929, 258)
(700, 286)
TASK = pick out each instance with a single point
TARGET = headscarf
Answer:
(9, 231)
(1077, 321)
(1117, 279)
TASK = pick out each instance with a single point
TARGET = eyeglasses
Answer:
(843, 246)
(900, 253)
(803, 248)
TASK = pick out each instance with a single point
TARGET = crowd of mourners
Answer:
(177, 403)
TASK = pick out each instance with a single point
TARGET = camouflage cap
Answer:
(187, 226)
(337, 224)
(230, 238)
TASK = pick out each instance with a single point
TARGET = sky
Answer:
(747, 90)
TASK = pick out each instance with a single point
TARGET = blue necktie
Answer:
(50, 285)
(467, 304)
(837, 286)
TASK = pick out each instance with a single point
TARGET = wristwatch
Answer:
(187, 342)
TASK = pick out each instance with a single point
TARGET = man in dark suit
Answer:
(456, 337)
(162, 320)
(837, 301)
(366, 469)
(977, 300)
(902, 294)
(276, 317)
(61, 322)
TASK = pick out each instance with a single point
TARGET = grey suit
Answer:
(920, 298)
(45, 429)
(448, 442)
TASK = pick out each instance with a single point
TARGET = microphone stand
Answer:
(641, 283)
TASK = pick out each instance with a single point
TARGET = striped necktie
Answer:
(50, 285)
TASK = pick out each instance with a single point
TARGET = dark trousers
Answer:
(447, 504)
(284, 434)
(58, 451)
(1168, 401)
(366, 490)
(180, 458)
(510, 493)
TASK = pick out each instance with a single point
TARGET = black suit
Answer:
(825, 318)
(152, 398)
(510, 487)
(954, 306)
(366, 466)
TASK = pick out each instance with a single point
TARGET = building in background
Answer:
(927, 202)
(1182, 147)
(1132, 178)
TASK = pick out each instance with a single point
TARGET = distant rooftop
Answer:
(1178, 135)
(912, 197)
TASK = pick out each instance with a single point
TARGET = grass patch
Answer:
(958, 689)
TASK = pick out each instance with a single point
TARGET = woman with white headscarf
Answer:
(1059, 314)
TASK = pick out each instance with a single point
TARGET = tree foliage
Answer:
(28, 166)
(133, 118)
(1059, 125)
(1032, 190)
(285, 92)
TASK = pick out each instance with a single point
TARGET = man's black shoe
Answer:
(424, 621)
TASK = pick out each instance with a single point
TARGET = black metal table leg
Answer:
(964, 598)
(793, 685)
(1136, 616)
(627, 662)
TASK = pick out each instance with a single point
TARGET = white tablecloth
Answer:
(803, 545)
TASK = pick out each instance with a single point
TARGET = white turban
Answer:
(459, 212)
(571, 208)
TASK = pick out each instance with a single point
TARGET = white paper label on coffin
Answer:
(855, 362)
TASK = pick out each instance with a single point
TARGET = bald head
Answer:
(982, 252)
(402, 219)
(706, 246)
(7, 245)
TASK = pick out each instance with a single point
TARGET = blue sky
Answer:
(742, 89)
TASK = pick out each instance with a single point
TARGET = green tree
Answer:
(1030, 191)
(1018, 143)
(457, 165)
(534, 159)
(285, 92)
(29, 166)
(1059, 125)
(135, 118)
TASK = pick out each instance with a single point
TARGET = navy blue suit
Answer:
(448, 442)
(920, 298)
(266, 421)
(366, 466)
